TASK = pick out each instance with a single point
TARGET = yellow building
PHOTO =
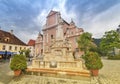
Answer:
(10, 43)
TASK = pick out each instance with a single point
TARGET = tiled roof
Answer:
(9, 38)
(31, 42)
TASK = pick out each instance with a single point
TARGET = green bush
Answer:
(116, 57)
(92, 60)
(18, 62)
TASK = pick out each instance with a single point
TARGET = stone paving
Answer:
(109, 74)
(28, 79)
(6, 75)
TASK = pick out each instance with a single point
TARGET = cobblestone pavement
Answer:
(109, 74)
(28, 79)
(6, 74)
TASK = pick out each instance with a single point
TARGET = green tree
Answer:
(109, 41)
(26, 52)
(85, 42)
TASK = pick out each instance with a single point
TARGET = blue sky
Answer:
(26, 17)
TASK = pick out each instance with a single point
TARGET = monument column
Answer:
(59, 31)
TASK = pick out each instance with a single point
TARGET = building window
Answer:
(15, 48)
(10, 47)
(7, 39)
(25, 48)
(20, 48)
(51, 36)
(3, 47)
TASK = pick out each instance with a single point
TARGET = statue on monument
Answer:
(59, 33)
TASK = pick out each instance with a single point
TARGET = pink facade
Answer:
(50, 30)
(39, 45)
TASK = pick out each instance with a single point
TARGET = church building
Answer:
(56, 28)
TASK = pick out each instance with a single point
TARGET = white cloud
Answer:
(59, 5)
(95, 24)
(105, 21)
(41, 18)
(67, 15)
(26, 36)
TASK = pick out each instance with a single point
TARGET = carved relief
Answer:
(58, 53)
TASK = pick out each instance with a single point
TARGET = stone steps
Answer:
(58, 71)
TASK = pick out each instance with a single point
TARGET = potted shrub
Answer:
(18, 63)
(93, 62)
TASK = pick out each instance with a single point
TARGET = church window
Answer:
(51, 36)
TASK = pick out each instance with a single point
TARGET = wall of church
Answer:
(51, 20)
(49, 35)
(70, 31)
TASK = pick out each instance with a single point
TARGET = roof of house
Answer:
(10, 38)
(31, 42)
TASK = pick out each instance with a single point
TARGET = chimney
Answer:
(11, 31)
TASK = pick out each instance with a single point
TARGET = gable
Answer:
(51, 13)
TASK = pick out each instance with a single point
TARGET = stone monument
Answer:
(59, 58)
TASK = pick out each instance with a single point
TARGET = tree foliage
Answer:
(18, 62)
(85, 42)
(26, 52)
(109, 41)
(92, 60)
